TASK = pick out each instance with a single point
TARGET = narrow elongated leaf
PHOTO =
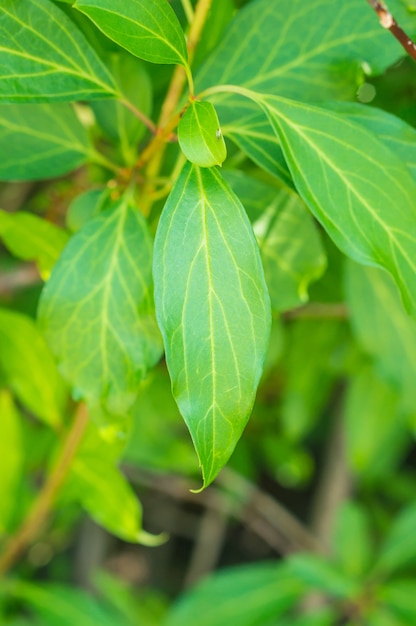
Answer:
(28, 367)
(97, 310)
(200, 136)
(213, 309)
(337, 167)
(44, 57)
(272, 47)
(383, 329)
(41, 141)
(11, 451)
(149, 29)
(30, 237)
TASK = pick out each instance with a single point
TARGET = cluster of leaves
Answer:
(160, 251)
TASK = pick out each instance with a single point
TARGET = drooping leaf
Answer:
(44, 57)
(118, 123)
(99, 486)
(29, 369)
(97, 312)
(30, 237)
(337, 167)
(213, 309)
(383, 328)
(200, 136)
(271, 47)
(149, 29)
(11, 451)
(268, 590)
(41, 141)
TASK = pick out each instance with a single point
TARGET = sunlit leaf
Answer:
(11, 451)
(28, 367)
(148, 29)
(55, 62)
(213, 309)
(97, 312)
(30, 237)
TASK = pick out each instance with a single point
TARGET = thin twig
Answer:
(387, 21)
(140, 115)
(318, 310)
(42, 506)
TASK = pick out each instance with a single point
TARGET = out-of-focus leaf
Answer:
(351, 542)
(375, 430)
(55, 62)
(399, 549)
(32, 238)
(316, 573)
(102, 490)
(41, 141)
(155, 412)
(97, 309)
(84, 207)
(29, 369)
(213, 310)
(11, 454)
(383, 328)
(399, 597)
(248, 596)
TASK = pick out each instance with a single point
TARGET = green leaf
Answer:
(55, 62)
(337, 167)
(213, 309)
(399, 549)
(375, 434)
(29, 369)
(30, 237)
(200, 136)
(149, 29)
(118, 123)
(383, 328)
(399, 596)
(282, 225)
(271, 47)
(41, 141)
(317, 573)
(351, 542)
(97, 310)
(246, 595)
(11, 451)
(86, 206)
(100, 487)
(291, 250)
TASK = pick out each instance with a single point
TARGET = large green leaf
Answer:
(148, 29)
(247, 596)
(44, 57)
(29, 369)
(97, 311)
(11, 451)
(213, 309)
(337, 167)
(303, 50)
(41, 141)
(30, 237)
(383, 328)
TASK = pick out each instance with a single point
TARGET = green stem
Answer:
(189, 11)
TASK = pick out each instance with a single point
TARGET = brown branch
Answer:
(318, 310)
(42, 506)
(23, 276)
(387, 21)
